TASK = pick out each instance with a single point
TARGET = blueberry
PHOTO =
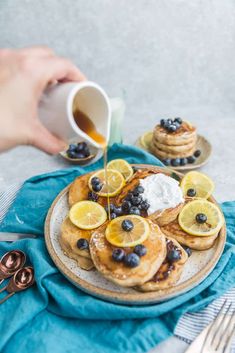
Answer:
(129, 196)
(162, 122)
(140, 250)
(201, 218)
(80, 155)
(126, 205)
(118, 211)
(191, 192)
(118, 255)
(111, 207)
(97, 187)
(166, 161)
(72, 154)
(82, 244)
(72, 147)
(92, 196)
(172, 128)
(95, 181)
(113, 215)
(178, 120)
(188, 250)
(132, 260)
(136, 200)
(175, 162)
(170, 121)
(138, 190)
(134, 210)
(191, 159)
(127, 225)
(144, 205)
(183, 161)
(81, 146)
(86, 152)
(173, 255)
(197, 153)
(177, 125)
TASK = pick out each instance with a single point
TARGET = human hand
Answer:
(24, 74)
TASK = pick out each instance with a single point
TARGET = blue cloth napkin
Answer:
(55, 316)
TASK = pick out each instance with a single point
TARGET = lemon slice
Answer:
(188, 218)
(115, 182)
(201, 183)
(87, 215)
(146, 139)
(121, 166)
(117, 236)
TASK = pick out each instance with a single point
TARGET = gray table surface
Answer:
(165, 57)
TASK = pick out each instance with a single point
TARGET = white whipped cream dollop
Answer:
(161, 192)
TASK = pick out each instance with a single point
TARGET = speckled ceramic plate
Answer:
(197, 268)
(202, 144)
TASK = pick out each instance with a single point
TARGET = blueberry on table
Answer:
(134, 210)
(113, 215)
(129, 196)
(140, 250)
(138, 190)
(127, 225)
(201, 218)
(82, 244)
(173, 255)
(166, 161)
(172, 128)
(175, 162)
(178, 120)
(144, 206)
(136, 200)
(188, 250)
(191, 192)
(197, 153)
(118, 211)
(92, 196)
(97, 187)
(191, 159)
(126, 205)
(132, 260)
(118, 255)
(183, 161)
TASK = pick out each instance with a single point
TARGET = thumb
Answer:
(45, 141)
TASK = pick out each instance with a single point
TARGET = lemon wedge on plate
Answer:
(121, 166)
(200, 182)
(115, 180)
(116, 235)
(87, 215)
(201, 218)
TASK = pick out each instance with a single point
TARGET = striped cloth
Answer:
(189, 326)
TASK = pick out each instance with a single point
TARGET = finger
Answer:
(40, 51)
(45, 141)
(57, 69)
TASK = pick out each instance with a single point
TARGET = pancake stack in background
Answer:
(174, 142)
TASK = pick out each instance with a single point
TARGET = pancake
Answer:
(169, 273)
(185, 134)
(69, 236)
(101, 254)
(162, 217)
(164, 154)
(173, 149)
(174, 230)
(79, 190)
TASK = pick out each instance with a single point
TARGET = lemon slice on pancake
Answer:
(121, 166)
(201, 218)
(115, 180)
(116, 235)
(200, 182)
(87, 215)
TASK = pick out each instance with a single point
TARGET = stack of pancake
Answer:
(158, 269)
(180, 143)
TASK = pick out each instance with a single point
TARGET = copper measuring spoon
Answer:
(11, 262)
(22, 279)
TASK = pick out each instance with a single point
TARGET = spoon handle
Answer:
(2, 289)
(7, 297)
(1, 280)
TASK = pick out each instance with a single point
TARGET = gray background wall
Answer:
(165, 57)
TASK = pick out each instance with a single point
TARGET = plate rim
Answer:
(138, 298)
(180, 168)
